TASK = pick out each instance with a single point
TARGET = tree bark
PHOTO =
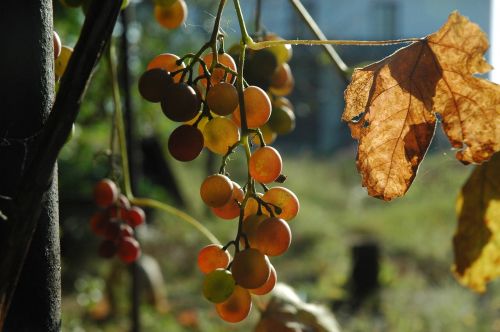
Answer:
(27, 96)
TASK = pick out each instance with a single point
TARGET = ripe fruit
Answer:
(220, 134)
(185, 143)
(282, 81)
(216, 190)
(168, 62)
(222, 98)
(250, 226)
(218, 74)
(135, 216)
(105, 193)
(180, 102)
(212, 257)
(285, 200)
(129, 250)
(218, 285)
(282, 120)
(171, 17)
(265, 164)
(268, 286)
(236, 307)
(154, 83)
(62, 61)
(257, 107)
(231, 210)
(250, 268)
(273, 237)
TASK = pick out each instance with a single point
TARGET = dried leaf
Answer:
(477, 240)
(391, 106)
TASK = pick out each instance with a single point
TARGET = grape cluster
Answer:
(115, 222)
(199, 91)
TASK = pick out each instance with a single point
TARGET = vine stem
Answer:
(152, 203)
(268, 43)
(144, 202)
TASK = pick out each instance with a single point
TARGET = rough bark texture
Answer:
(27, 96)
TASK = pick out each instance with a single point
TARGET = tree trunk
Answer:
(27, 93)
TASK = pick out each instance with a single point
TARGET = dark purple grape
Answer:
(181, 103)
(185, 143)
(154, 83)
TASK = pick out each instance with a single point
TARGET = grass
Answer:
(418, 291)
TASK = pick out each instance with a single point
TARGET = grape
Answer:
(107, 249)
(283, 53)
(265, 164)
(282, 81)
(126, 230)
(201, 124)
(268, 286)
(62, 61)
(282, 120)
(57, 45)
(236, 307)
(252, 207)
(250, 268)
(220, 134)
(135, 216)
(218, 285)
(112, 230)
(282, 101)
(180, 103)
(168, 62)
(98, 223)
(273, 237)
(171, 17)
(285, 199)
(231, 210)
(257, 107)
(216, 190)
(217, 75)
(185, 143)
(154, 83)
(250, 225)
(222, 98)
(212, 257)
(259, 67)
(105, 193)
(129, 250)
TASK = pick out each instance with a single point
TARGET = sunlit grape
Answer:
(265, 164)
(220, 134)
(250, 226)
(217, 75)
(129, 250)
(282, 81)
(168, 62)
(218, 285)
(252, 207)
(212, 257)
(231, 210)
(216, 190)
(250, 268)
(273, 237)
(236, 307)
(105, 193)
(285, 200)
(257, 107)
(267, 133)
(135, 216)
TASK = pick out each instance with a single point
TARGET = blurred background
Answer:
(376, 266)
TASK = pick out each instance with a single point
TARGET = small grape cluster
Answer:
(115, 222)
(201, 92)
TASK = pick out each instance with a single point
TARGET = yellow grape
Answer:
(232, 209)
(257, 107)
(250, 268)
(283, 53)
(268, 286)
(265, 164)
(213, 257)
(236, 307)
(285, 199)
(220, 133)
(273, 237)
(252, 207)
(222, 98)
(62, 60)
(172, 16)
(216, 190)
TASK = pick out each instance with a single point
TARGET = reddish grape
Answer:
(231, 209)
(282, 81)
(99, 222)
(185, 143)
(180, 102)
(250, 225)
(126, 230)
(268, 286)
(250, 268)
(105, 193)
(273, 237)
(285, 200)
(129, 250)
(218, 73)
(212, 257)
(168, 62)
(257, 107)
(216, 190)
(236, 307)
(154, 83)
(222, 98)
(135, 216)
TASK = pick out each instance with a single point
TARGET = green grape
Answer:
(282, 120)
(218, 285)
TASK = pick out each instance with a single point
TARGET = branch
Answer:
(26, 204)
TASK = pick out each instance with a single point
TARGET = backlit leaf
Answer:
(477, 240)
(391, 106)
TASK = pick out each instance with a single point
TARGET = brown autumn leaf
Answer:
(392, 105)
(477, 240)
